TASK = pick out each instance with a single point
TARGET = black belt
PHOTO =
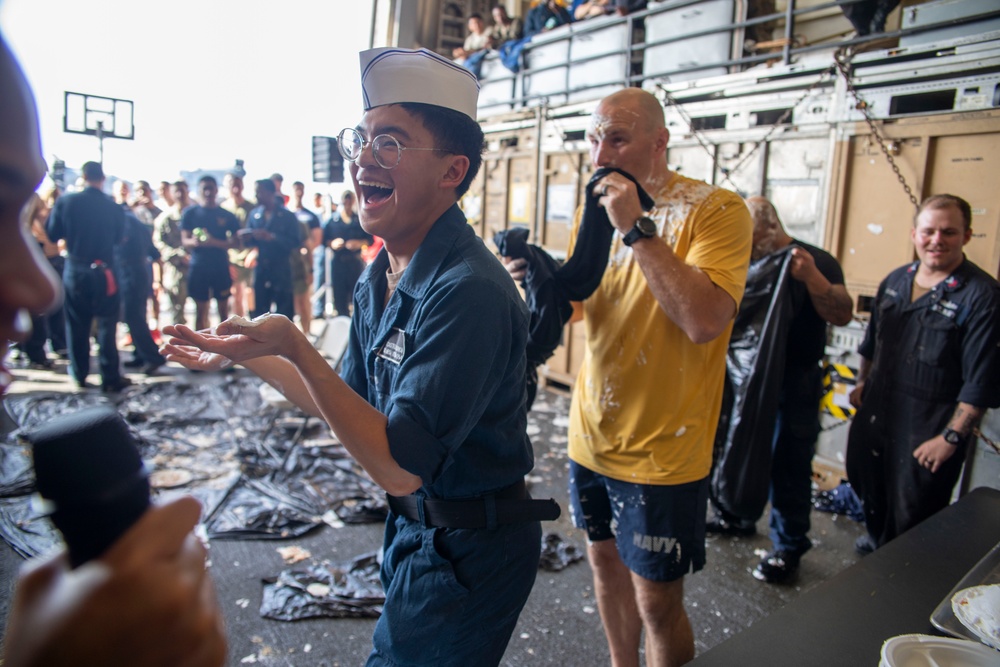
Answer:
(509, 505)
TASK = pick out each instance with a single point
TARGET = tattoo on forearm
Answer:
(833, 305)
(965, 419)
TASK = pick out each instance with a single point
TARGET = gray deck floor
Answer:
(560, 624)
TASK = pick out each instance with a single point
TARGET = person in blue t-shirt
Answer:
(208, 232)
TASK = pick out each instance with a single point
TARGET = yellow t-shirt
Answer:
(646, 401)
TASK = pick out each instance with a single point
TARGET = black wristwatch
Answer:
(953, 437)
(645, 227)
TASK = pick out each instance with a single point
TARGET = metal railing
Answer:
(632, 55)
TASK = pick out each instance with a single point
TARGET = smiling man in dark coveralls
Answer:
(432, 401)
(929, 367)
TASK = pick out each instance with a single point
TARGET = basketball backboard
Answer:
(98, 116)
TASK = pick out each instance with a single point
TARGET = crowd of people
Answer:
(430, 398)
(508, 35)
(159, 251)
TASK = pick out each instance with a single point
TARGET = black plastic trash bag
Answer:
(840, 500)
(258, 509)
(325, 591)
(755, 365)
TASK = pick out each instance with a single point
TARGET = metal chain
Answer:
(778, 124)
(690, 121)
(842, 59)
(726, 171)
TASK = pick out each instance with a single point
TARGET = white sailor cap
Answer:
(392, 76)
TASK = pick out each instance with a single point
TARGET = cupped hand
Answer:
(237, 339)
(192, 357)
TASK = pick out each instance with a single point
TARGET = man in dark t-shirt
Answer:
(208, 232)
(818, 297)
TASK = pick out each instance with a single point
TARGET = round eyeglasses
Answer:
(385, 148)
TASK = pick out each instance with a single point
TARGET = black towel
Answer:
(549, 288)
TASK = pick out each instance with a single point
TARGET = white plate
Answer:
(930, 651)
(978, 609)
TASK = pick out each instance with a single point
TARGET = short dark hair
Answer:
(208, 178)
(476, 16)
(267, 184)
(298, 184)
(179, 184)
(277, 177)
(455, 132)
(944, 201)
(92, 171)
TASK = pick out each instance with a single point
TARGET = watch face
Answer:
(952, 437)
(646, 226)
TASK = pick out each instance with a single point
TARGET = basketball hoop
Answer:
(98, 116)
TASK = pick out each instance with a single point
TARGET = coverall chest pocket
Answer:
(385, 373)
(388, 359)
(932, 341)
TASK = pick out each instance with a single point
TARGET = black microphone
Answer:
(88, 470)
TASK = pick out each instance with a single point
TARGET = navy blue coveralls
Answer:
(92, 224)
(927, 356)
(347, 264)
(133, 257)
(444, 360)
(272, 278)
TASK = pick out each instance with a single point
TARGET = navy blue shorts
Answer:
(209, 281)
(659, 530)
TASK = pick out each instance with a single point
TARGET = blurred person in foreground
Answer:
(641, 433)
(930, 363)
(432, 400)
(148, 600)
